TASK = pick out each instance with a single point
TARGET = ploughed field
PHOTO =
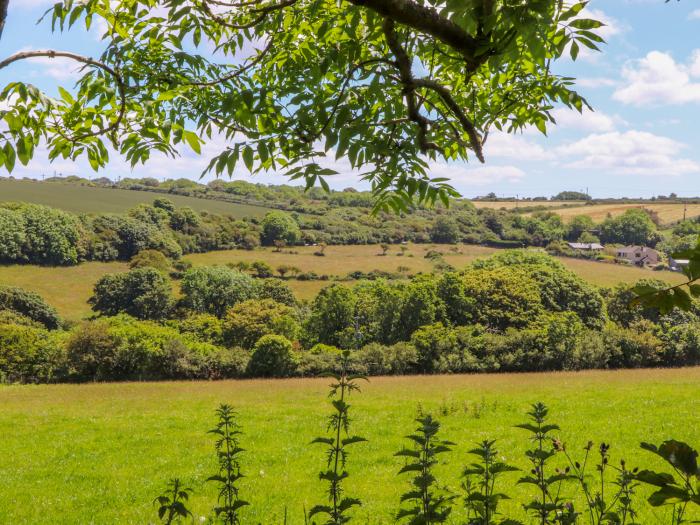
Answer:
(69, 288)
(100, 453)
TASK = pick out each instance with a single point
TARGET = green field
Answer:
(100, 453)
(87, 199)
(69, 288)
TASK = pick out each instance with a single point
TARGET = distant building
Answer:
(639, 255)
(677, 265)
(585, 246)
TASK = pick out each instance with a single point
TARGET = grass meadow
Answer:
(668, 212)
(69, 288)
(100, 453)
(86, 199)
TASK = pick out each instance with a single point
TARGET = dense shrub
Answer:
(40, 235)
(276, 290)
(144, 293)
(121, 348)
(272, 356)
(150, 259)
(30, 305)
(248, 321)
(279, 226)
(30, 355)
(215, 289)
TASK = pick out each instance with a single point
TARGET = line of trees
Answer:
(36, 234)
(515, 311)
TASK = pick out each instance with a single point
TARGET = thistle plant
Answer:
(679, 493)
(172, 504)
(609, 502)
(428, 503)
(547, 507)
(482, 499)
(227, 452)
(337, 443)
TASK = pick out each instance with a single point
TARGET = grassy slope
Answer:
(100, 453)
(68, 288)
(86, 199)
(668, 213)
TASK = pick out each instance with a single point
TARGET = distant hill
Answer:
(78, 198)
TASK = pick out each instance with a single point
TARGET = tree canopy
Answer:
(391, 85)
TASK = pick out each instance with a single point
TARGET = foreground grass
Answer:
(86, 199)
(100, 453)
(69, 288)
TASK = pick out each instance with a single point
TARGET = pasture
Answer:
(340, 260)
(69, 288)
(668, 212)
(87, 199)
(100, 453)
(514, 205)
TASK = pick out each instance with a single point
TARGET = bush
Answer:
(279, 226)
(246, 322)
(150, 259)
(215, 289)
(30, 355)
(144, 293)
(30, 305)
(204, 327)
(272, 357)
(377, 359)
(121, 347)
(633, 347)
(277, 291)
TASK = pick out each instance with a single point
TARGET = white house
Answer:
(639, 255)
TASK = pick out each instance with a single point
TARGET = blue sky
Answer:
(643, 138)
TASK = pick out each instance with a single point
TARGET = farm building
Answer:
(585, 246)
(639, 255)
(677, 265)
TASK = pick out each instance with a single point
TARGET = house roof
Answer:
(585, 245)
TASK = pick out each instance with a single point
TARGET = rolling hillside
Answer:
(86, 199)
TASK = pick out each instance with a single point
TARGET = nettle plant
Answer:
(610, 490)
(337, 510)
(390, 85)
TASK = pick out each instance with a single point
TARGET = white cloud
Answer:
(587, 121)
(657, 79)
(596, 82)
(59, 68)
(464, 177)
(694, 15)
(631, 152)
(508, 146)
(31, 4)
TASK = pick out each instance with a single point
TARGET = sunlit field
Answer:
(100, 453)
(87, 199)
(69, 288)
(668, 213)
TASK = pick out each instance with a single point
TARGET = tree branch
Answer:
(403, 64)
(427, 20)
(464, 120)
(3, 14)
(121, 85)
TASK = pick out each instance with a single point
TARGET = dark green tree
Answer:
(391, 85)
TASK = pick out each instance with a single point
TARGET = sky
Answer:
(643, 139)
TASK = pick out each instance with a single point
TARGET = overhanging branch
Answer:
(121, 85)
